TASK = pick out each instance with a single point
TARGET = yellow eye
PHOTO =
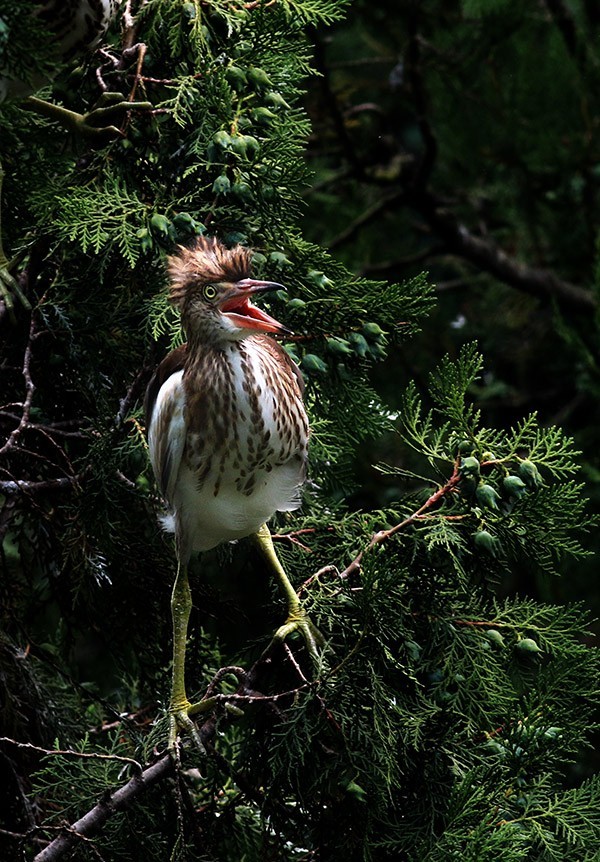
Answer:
(209, 291)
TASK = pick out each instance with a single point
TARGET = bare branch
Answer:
(29, 390)
(489, 257)
(91, 823)
(457, 239)
(117, 800)
(16, 486)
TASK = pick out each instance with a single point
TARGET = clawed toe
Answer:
(299, 621)
(9, 289)
(93, 125)
(180, 722)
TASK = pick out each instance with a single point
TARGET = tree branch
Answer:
(91, 823)
(29, 390)
(117, 800)
(365, 218)
(458, 239)
(16, 486)
(566, 24)
(384, 535)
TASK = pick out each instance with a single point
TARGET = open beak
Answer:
(238, 308)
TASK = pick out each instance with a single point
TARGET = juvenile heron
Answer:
(227, 432)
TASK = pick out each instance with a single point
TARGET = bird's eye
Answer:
(209, 291)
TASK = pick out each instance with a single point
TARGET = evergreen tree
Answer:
(445, 712)
(443, 140)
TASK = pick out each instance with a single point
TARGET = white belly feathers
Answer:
(224, 489)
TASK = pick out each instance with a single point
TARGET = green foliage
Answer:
(97, 218)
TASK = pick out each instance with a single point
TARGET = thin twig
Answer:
(130, 397)
(384, 535)
(29, 390)
(324, 571)
(365, 218)
(239, 672)
(291, 658)
(69, 752)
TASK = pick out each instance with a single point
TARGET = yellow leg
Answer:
(180, 707)
(297, 619)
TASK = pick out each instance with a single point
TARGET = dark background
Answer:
(462, 139)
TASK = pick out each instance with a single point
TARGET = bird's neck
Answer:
(209, 331)
(213, 362)
(202, 345)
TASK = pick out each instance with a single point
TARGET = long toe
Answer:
(9, 289)
(181, 723)
(299, 621)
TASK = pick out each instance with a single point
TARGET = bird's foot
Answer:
(97, 124)
(299, 621)
(181, 722)
(10, 288)
(110, 106)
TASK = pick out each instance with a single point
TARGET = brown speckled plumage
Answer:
(226, 425)
(228, 432)
(74, 27)
(78, 25)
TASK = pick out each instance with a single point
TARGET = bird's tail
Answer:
(167, 522)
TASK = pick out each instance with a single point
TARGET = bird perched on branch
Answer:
(227, 431)
(70, 27)
(43, 38)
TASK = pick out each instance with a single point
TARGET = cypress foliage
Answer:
(445, 713)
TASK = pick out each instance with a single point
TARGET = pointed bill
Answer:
(238, 308)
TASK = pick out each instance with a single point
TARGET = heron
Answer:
(227, 433)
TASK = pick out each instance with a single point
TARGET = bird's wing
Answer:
(165, 419)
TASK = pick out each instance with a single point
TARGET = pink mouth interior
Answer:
(241, 311)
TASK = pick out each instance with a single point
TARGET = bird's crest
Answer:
(205, 262)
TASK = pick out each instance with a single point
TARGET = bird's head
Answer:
(212, 287)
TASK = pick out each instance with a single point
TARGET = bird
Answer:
(74, 28)
(71, 27)
(227, 433)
